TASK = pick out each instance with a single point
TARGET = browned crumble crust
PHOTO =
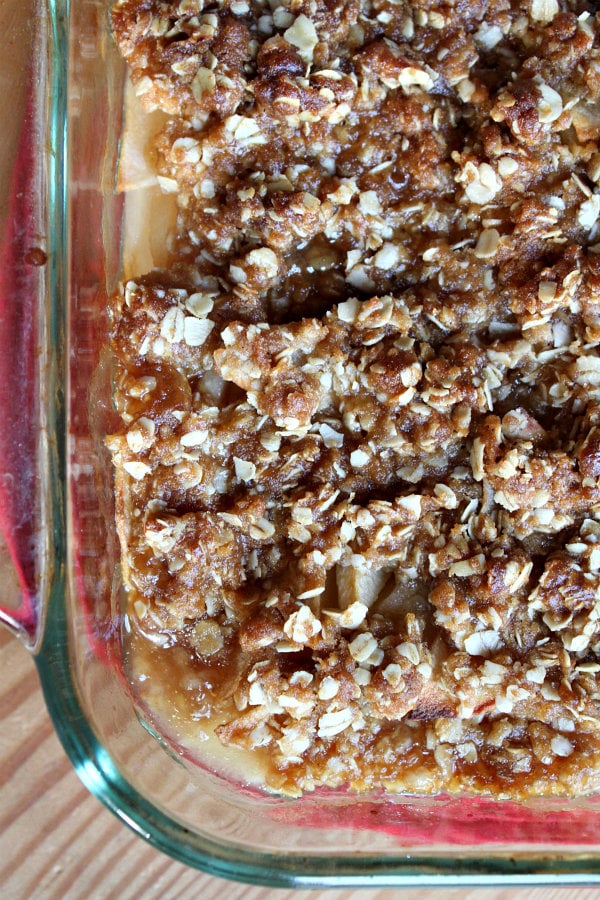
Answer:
(358, 481)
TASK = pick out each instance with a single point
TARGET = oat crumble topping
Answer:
(358, 479)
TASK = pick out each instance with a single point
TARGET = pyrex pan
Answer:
(60, 218)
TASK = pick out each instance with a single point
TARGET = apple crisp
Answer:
(358, 479)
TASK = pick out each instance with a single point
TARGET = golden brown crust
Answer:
(358, 477)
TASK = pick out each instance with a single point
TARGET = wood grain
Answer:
(58, 843)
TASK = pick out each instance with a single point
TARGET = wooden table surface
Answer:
(57, 842)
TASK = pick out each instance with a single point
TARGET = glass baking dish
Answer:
(61, 218)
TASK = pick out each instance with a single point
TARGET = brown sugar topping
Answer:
(357, 481)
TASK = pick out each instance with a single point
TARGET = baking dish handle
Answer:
(27, 367)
